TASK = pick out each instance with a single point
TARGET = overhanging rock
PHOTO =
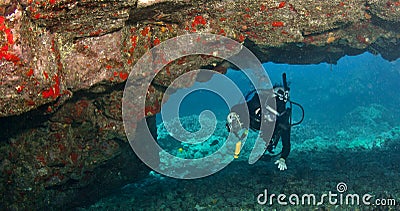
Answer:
(53, 48)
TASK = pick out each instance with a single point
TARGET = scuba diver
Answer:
(282, 117)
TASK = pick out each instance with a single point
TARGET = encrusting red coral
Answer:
(4, 50)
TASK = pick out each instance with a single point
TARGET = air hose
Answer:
(302, 115)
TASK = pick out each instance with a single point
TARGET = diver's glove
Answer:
(281, 164)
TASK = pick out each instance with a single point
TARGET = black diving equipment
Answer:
(282, 94)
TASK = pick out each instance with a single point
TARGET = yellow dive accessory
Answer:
(239, 144)
(237, 149)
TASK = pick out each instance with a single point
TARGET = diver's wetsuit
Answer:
(282, 125)
(282, 129)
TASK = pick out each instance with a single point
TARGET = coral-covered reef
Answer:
(63, 64)
(51, 49)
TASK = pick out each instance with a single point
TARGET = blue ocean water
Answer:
(349, 136)
(323, 89)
